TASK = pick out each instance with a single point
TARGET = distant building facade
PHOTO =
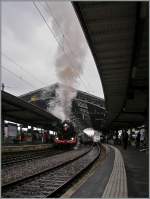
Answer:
(83, 105)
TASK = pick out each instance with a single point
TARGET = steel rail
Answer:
(51, 181)
(28, 156)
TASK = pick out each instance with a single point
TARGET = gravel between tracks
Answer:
(50, 183)
(28, 168)
(15, 158)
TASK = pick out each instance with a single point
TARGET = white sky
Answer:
(29, 47)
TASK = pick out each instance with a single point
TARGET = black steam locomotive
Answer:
(66, 135)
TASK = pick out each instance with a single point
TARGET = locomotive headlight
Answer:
(72, 138)
(56, 138)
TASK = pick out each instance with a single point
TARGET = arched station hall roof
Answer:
(117, 34)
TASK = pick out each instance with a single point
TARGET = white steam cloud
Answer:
(61, 105)
(70, 56)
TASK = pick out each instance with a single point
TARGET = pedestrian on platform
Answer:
(125, 139)
(106, 139)
(46, 136)
(138, 140)
(114, 139)
(142, 138)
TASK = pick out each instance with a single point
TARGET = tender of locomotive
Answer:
(66, 135)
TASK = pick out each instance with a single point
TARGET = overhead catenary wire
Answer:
(17, 76)
(22, 68)
(39, 11)
(64, 37)
(56, 22)
(67, 41)
(7, 86)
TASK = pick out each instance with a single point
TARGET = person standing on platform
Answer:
(46, 137)
(138, 140)
(106, 139)
(116, 137)
(125, 139)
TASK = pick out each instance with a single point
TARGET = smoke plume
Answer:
(70, 56)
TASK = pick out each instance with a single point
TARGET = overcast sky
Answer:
(30, 44)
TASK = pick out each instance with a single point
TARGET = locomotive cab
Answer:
(66, 134)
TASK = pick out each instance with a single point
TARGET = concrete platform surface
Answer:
(94, 186)
(122, 174)
(137, 170)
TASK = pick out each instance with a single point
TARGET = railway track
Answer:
(51, 182)
(8, 160)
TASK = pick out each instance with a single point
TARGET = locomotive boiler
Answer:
(66, 135)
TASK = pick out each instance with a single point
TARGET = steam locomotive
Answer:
(66, 135)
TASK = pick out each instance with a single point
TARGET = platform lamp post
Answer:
(2, 119)
(2, 128)
(3, 86)
(31, 128)
(21, 126)
(146, 125)
(146, 134)
(32, 133)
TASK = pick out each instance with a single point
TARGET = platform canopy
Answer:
(19, 111)
(117, 34)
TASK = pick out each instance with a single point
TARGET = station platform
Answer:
(24, 147)
(137, 171)
(118, 174)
